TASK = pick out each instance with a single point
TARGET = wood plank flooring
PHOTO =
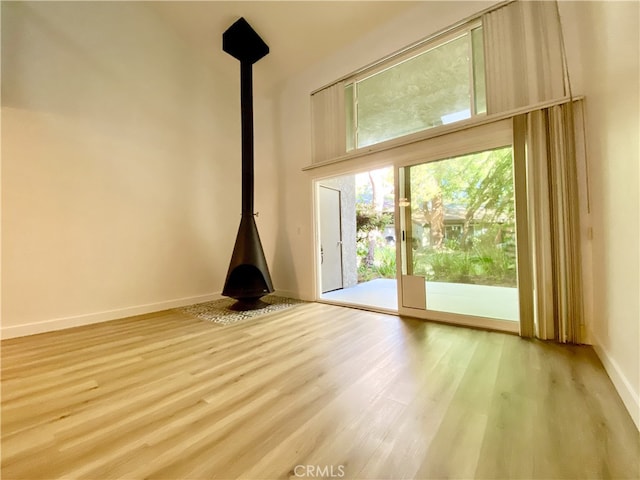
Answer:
(313, 391)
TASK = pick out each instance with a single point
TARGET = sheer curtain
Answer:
(553, 217)
(525, 66)
(523, 55)
(328, 123)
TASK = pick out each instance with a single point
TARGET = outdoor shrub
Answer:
(480, 266)
(385, 261)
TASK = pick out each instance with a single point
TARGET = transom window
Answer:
(441, 82)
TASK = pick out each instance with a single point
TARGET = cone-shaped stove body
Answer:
(248, 276)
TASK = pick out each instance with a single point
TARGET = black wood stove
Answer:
(248, 277)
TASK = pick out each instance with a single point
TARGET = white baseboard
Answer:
(287, 294)
(87, 319)
(621, 383)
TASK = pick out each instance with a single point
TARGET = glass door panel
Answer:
(357, 234)
(458, 234)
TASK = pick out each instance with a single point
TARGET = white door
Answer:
(330, 239)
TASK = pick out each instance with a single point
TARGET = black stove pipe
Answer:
(246, 101)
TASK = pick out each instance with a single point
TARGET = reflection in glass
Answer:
(419, 93)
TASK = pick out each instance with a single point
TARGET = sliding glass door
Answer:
(447, 250)
(458, 251)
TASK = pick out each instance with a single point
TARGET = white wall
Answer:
(605, 45)
(120, 166)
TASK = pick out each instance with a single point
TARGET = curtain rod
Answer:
(417, 44)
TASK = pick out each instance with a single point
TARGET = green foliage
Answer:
(385, 261)
(481, 265)
(480, 184)
(368, 219)
(384, 265)
(476, 245)
(369, 227)
(477, 189)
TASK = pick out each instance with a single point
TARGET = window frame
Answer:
(406, 55)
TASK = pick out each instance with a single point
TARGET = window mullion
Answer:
(355, 115)
(472, 83)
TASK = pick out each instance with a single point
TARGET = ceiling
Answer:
(299, 33)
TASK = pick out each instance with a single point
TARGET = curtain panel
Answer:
(524, 63)
(553, 221)
(328, 120)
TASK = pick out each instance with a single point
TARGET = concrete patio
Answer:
(478, 300)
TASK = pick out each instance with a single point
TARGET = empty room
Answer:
(320, 239)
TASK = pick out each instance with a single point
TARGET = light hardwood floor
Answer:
(368, 395)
